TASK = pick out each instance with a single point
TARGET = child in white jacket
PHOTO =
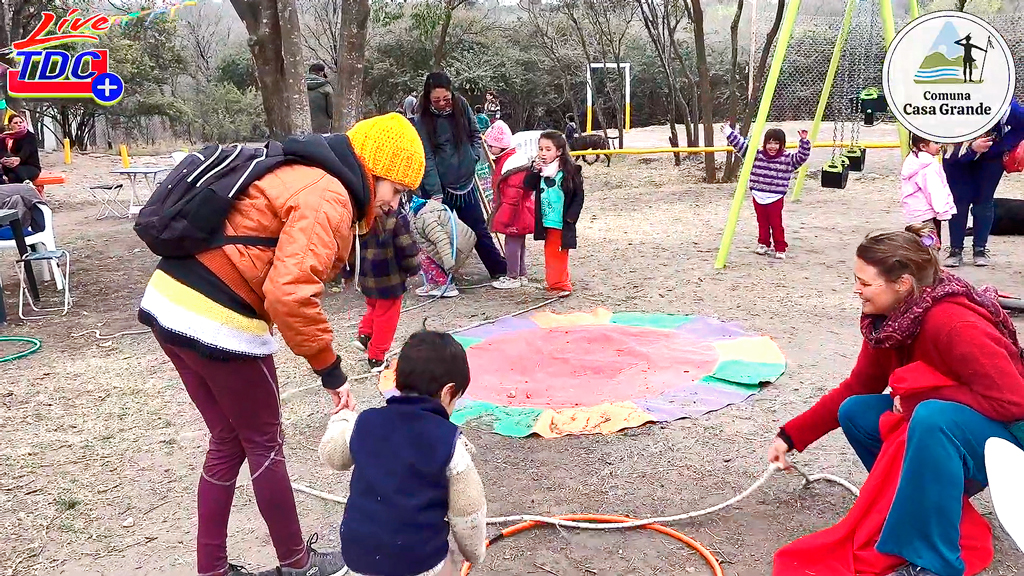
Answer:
(433, 224)
(924, 193)
(413, 477)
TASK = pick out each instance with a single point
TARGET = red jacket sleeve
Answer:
(869, 376)
(976, 355)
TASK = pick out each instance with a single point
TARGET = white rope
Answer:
(123, 333)
(772, 469)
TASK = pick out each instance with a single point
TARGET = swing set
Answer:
(869, 102)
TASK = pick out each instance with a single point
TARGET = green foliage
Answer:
(223, 113)
(237, 69)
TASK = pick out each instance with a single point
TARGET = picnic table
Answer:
(10, 218)
(148, 175)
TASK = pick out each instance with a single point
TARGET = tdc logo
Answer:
(45, 73)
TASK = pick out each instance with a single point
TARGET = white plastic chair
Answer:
(527, 142)
(1004, 465)
(178, 156)
(45, 239)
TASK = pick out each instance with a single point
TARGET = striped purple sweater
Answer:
(771, 175)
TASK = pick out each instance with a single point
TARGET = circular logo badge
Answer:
(107, 88)
(948, 76)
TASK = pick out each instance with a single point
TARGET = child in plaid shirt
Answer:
(388, 257)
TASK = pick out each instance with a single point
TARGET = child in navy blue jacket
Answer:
(413, 477)
(973, 170)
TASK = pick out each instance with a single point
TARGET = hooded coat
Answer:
(924, 192)
(432, 229)
(321, 105)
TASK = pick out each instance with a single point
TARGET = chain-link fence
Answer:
(810, 50)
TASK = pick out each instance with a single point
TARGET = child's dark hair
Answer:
(565, 161)
(570, 117)
(478, 109)
(775, 135)
(916, 141)
(429, 361)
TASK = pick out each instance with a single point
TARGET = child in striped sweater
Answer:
(769, 183)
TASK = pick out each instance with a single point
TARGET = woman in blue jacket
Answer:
(973, 171)
(451, 141)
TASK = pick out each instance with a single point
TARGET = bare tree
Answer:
(448, 8)
(611, 21)
(320, 29)
(704, 74)
(762, 66)
(274, 40)
(203, 36)
(351, 59)
(731, 160)
(661, 21)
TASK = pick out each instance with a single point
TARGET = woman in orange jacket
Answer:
(213, 317)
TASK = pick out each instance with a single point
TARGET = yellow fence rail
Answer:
(707, 149)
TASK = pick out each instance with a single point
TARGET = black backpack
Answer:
(186, 213)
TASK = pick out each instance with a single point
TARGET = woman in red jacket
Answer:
(913, 311)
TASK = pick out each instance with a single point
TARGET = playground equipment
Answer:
(836, 170)
(590, 91)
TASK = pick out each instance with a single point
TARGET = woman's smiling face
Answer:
(878, 295)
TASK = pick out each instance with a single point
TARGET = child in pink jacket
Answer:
(924, 193)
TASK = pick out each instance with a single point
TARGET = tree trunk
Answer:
(732, 162)
(657, 26)
(700, 48)
(273, 27)
(762, 65)
(442, 39)
(354, 17)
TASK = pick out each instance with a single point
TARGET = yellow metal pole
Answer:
(826, 90)
(755, 133)
(889, 32)
(914, 10)
(67, 151)
(124, 157)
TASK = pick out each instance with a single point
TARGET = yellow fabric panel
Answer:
(602, 419)
(758, 349)
(552, 320)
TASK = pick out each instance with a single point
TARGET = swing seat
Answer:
(872, 103)
(835, 173)
(856, 156)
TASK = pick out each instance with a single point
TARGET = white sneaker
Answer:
(449, 291)
(425, 290)
(761, 250)
(779, 255)
(506, 283)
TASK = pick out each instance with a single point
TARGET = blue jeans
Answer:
(944, 459)
(978, 200)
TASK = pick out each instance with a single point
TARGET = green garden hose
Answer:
(35, 345)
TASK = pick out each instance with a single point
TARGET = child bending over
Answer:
(388, 257)
(433, 224)
(413, 477)
(769, 183)
(924, 192)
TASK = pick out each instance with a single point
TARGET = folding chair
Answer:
(109, 204)
(49, 257)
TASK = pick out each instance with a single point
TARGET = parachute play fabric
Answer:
(600, 372)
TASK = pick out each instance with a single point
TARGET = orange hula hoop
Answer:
(708, 557)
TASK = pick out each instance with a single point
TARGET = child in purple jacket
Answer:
(769, 183)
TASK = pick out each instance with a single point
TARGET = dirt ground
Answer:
(102, 447)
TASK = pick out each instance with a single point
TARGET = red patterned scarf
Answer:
(902, 326)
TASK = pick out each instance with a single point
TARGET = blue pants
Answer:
(471, 213)
(978, 200)
(944, 459)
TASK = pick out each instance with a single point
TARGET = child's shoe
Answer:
(361, 341)
(506, 283)
(779, 255)
(981, 258)
(955, 259)
(761, 250)
(429, 291)
(376, 366)
(320, 563)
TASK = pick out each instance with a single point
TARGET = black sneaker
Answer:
(320, 563)
(376, 366)
(981, 258)
(236, 570)
(955, 259)
(361, 341)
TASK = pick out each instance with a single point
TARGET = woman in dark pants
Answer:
(451, 141)
(21, 153)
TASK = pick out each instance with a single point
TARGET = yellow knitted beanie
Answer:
(390, 148)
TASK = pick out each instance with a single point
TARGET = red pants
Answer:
(380, 323)
(238, 400)
(556, 262)
(769, 224)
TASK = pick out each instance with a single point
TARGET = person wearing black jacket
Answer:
(20, 161)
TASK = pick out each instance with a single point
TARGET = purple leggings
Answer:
(515, 255)
(239, 402)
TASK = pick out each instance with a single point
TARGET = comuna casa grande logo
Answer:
(948, 76)
(47, 73)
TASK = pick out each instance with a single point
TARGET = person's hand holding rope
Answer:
(777, 453)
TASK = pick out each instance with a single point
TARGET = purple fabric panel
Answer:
(503, 326)
(709, 329)
(690, 400)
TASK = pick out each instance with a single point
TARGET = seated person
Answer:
(20, 162)
(413, 478)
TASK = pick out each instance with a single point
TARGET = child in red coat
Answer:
(513, 203)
